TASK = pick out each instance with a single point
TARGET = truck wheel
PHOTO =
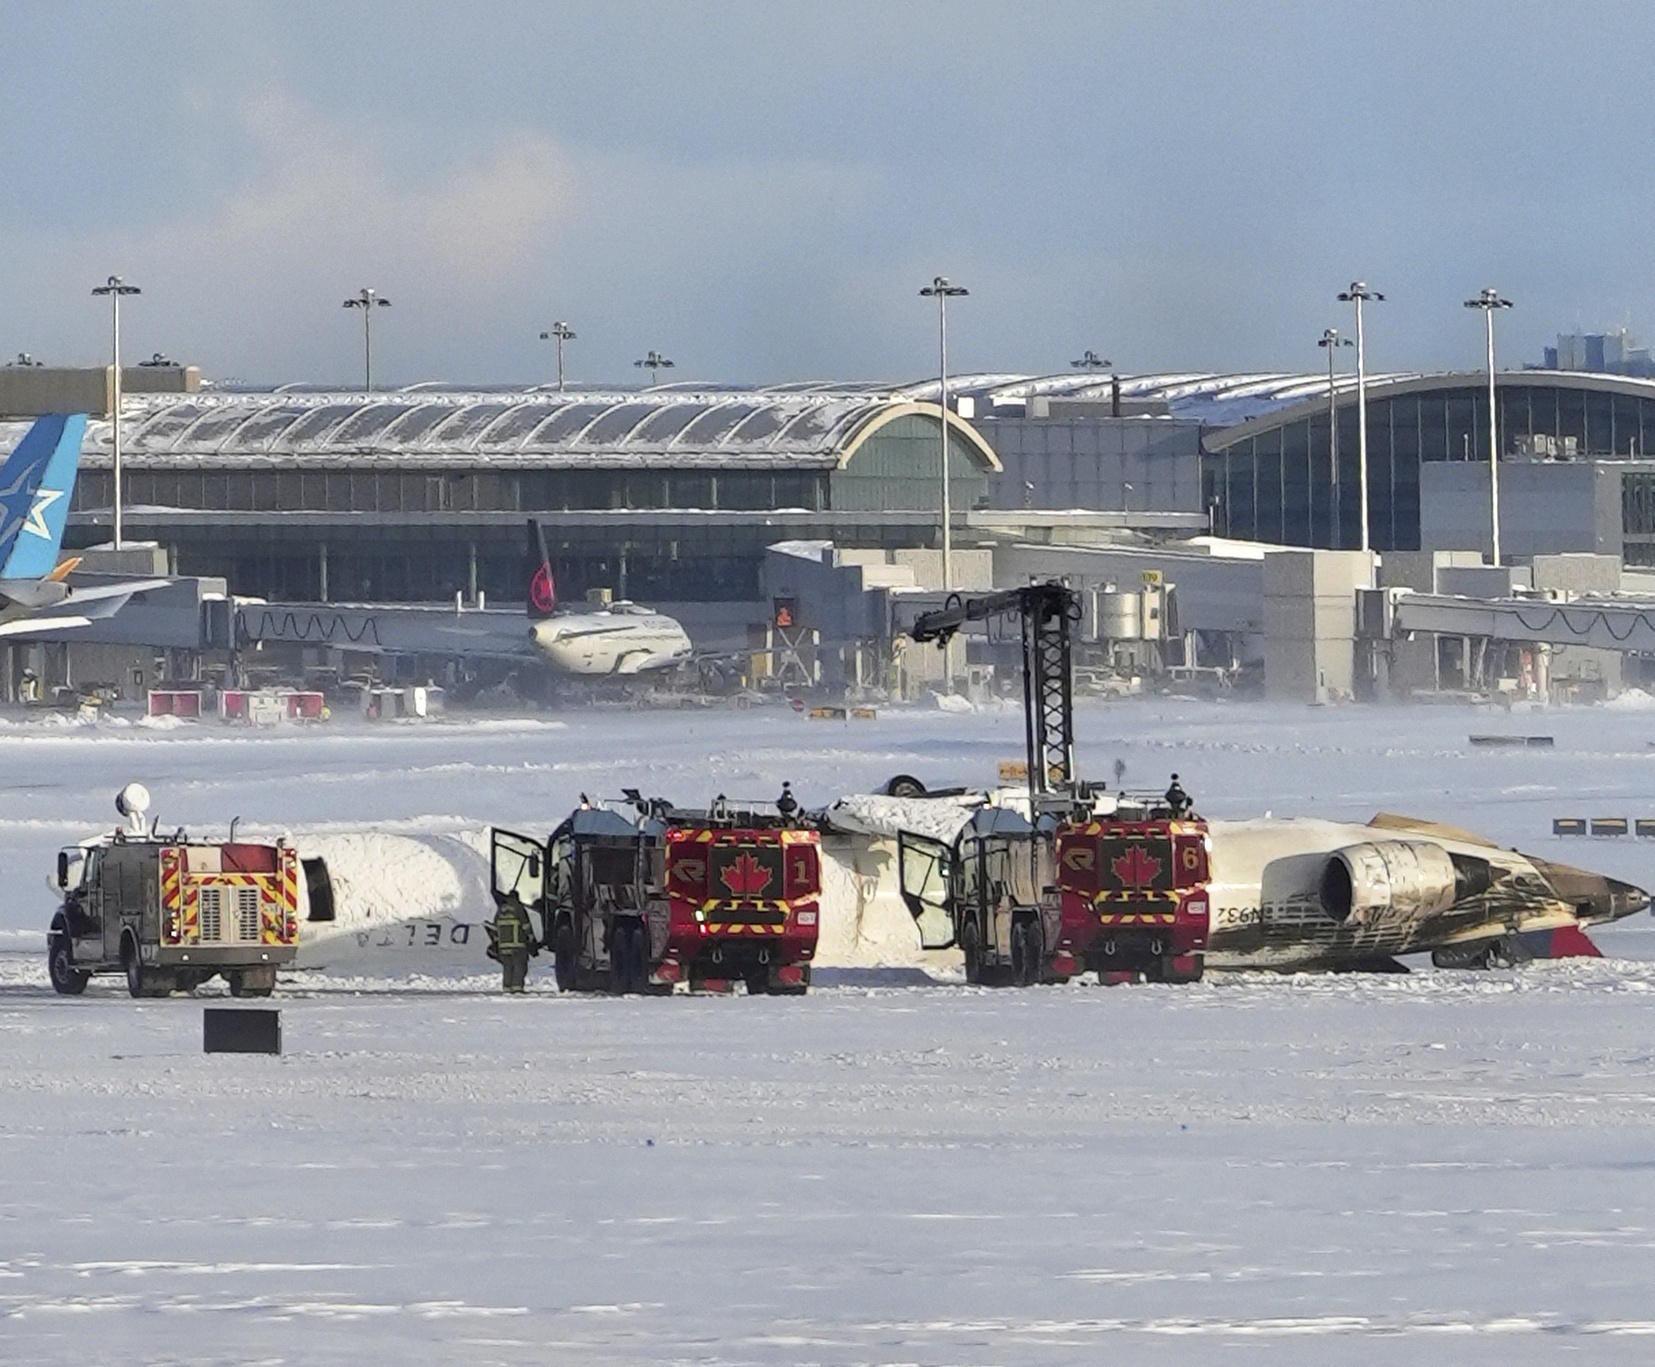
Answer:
(135, 984)
(971, 947)
(628, 957)
(1182, 968)
(252, 982)
(142, 981)
(67, 980)
(758, 984)
(1027, 945)
(564, 963)
(797, 989)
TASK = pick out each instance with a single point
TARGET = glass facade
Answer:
(1277, 485)
(449, 490)
(418, 537)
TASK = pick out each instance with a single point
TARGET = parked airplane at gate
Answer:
(623, 639)
(35, 487)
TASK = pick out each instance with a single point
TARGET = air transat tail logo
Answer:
(1136, 868)
(35, 523)
(745, 877)
(540, 590)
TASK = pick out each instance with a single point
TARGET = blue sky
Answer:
(759, 189)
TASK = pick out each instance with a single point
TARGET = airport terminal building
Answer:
(665, 494)
(672, 494)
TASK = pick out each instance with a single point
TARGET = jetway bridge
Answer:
(1599, 622)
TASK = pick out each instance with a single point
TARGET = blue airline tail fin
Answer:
(35, 484)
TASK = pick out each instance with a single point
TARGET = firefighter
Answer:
(1177, 800)
(513, 942)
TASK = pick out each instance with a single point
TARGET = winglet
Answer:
(542, 588)
(35, 484)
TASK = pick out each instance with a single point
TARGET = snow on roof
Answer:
(1217, 400)
(664, 427)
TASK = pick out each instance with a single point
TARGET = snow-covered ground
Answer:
(894, 1169)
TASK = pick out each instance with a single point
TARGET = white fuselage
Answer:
(1266, 907)
(619, 640)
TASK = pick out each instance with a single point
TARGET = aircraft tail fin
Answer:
(35, 484)
(1565, 942)
(542, 588)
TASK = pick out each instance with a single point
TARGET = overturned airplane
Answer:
(1280, 894)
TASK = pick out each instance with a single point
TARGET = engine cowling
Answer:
(1389, 880)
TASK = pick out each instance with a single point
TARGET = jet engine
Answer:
(1394, 880)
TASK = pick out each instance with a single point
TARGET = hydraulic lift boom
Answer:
(1047, 612)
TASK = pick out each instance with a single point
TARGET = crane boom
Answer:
(1047, 613)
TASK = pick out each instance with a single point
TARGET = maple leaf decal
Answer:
(1136, 868)
(745, 876)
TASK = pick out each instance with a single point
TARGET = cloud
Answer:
(472, 248)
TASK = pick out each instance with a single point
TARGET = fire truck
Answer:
(981, 890)
(170, 912)
(1132, 886)
(1115, 885)
(639, 895)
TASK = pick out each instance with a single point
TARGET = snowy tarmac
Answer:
(892, 1170)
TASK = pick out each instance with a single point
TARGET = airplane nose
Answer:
(1594, 897)
(1625, 899)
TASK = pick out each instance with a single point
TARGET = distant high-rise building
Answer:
(1601, 353)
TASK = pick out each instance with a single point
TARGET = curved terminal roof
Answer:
(1197, 396)
(1312, 403)
(809, 426)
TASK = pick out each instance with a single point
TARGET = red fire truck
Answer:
(639, 895)
(1133, 887)
(1132, 884)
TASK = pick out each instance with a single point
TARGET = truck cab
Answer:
(638, 896)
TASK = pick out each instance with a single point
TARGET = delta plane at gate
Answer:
(623, 639)
(35, 485)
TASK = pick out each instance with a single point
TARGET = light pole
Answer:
(115, 287)
(1332, 341)
(1488, 301)
(1091, 361)
(560, 333)
(1357, 293)
(367, 300)
(940, 290)
(654, 363)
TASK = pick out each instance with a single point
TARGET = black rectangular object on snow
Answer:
(241, 1030)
